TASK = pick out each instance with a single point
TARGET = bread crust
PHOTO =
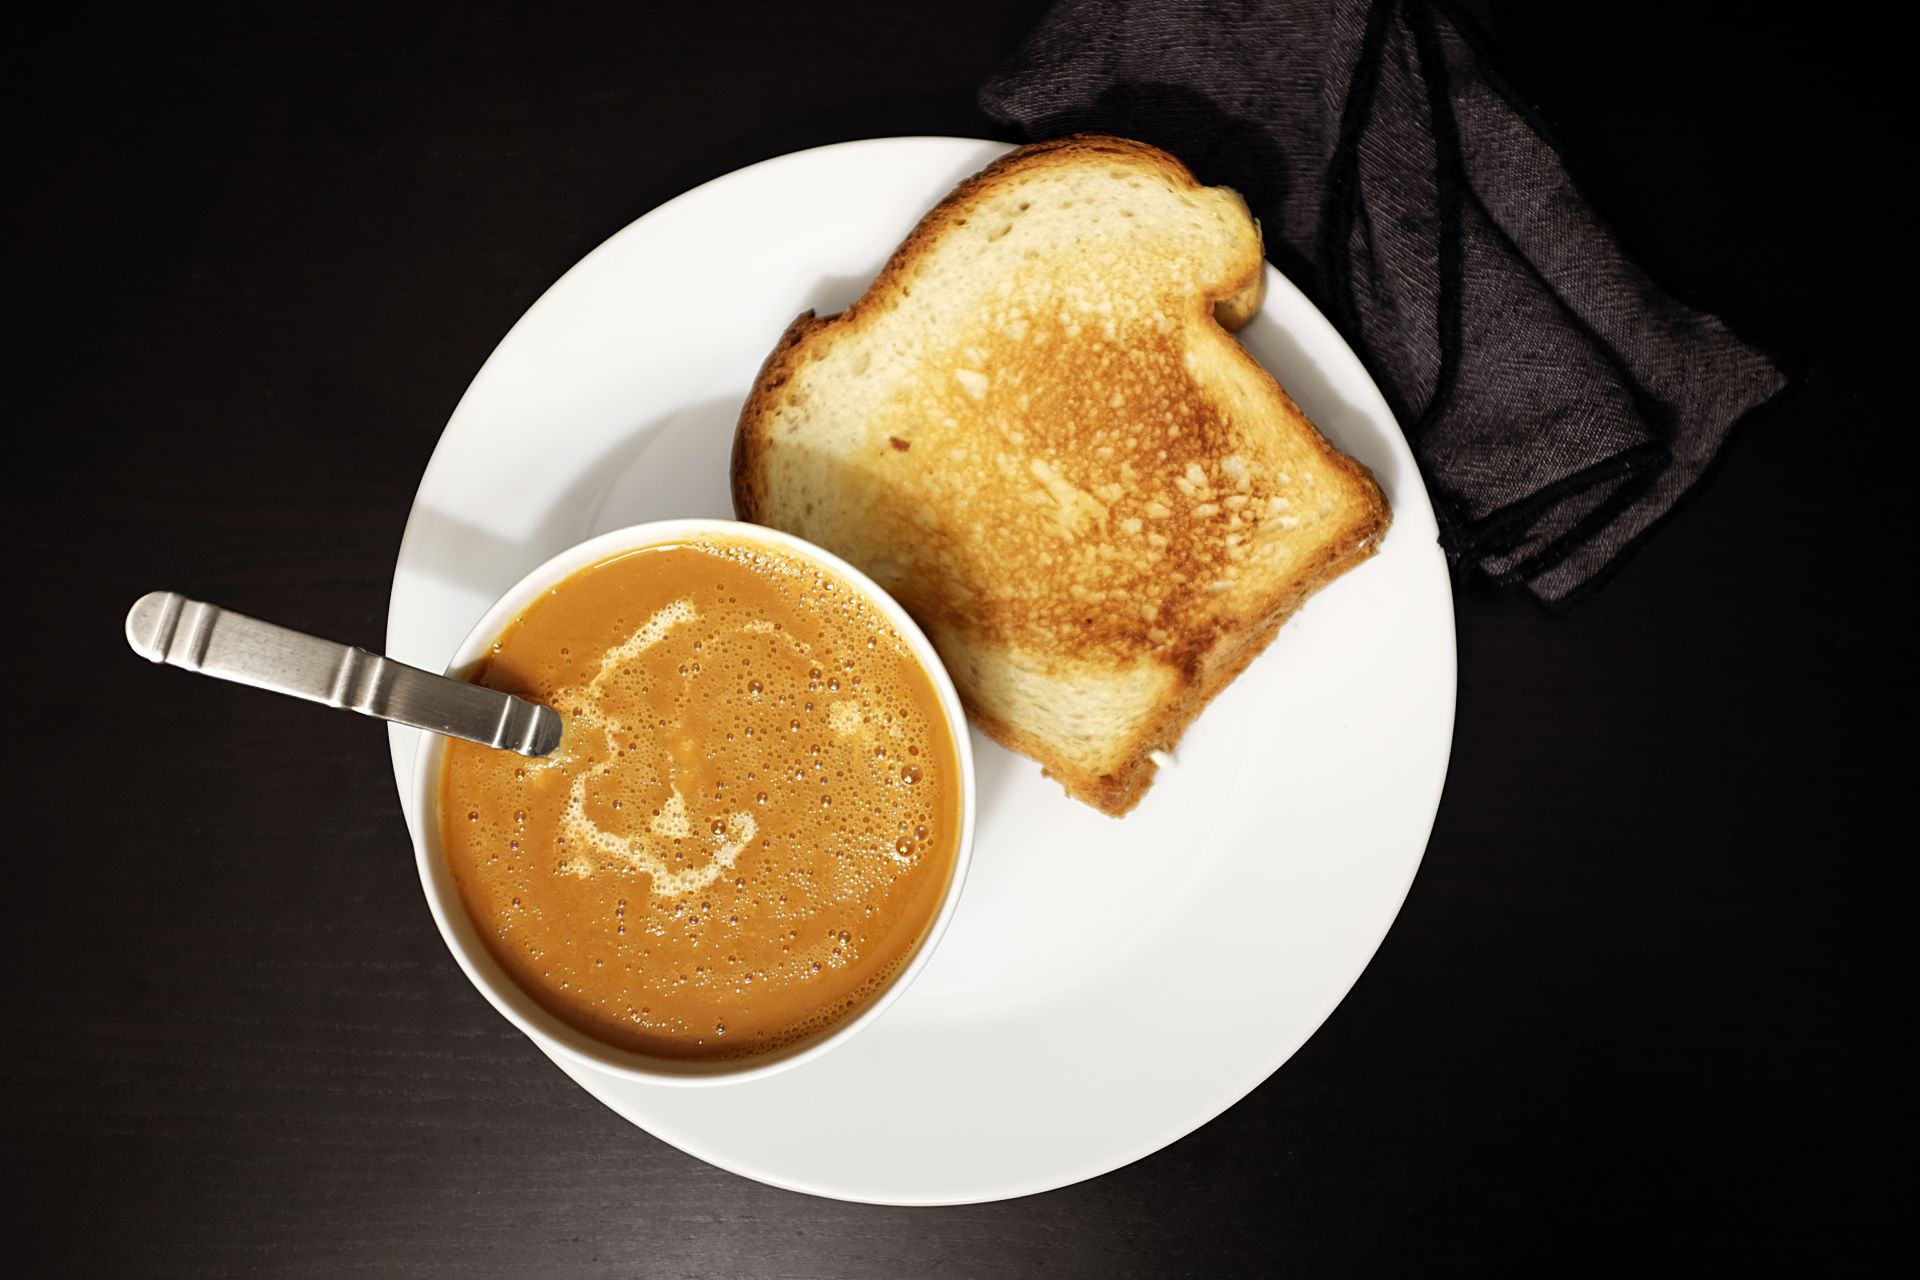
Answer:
(1205, 662)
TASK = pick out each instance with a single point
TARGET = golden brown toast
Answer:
(1035, 432)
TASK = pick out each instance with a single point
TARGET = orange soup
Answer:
(751, 821)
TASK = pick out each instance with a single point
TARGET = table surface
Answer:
(1632, 1012)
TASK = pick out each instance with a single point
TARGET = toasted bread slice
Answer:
(1036, 433)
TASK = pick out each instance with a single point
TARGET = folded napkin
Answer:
(1558, 401)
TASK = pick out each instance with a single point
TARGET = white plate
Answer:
(1106, 986)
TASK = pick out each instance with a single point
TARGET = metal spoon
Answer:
(165, 626)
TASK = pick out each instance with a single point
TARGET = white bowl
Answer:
(457, 927)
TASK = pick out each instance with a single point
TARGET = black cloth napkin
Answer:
(1558, 401)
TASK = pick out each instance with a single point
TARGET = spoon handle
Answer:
(164, 626)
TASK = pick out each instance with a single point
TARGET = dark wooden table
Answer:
(1633, 1013)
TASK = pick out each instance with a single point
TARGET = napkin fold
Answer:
(1559, 402)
